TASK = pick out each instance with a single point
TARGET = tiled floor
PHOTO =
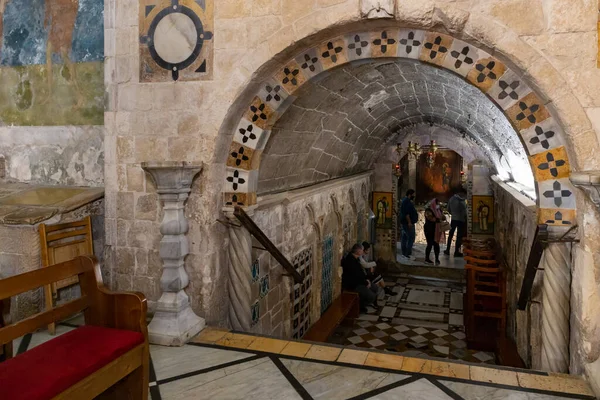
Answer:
(423, 318)
(419, 254)
(223, 365)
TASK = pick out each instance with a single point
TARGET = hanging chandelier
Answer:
(431, 153)
(414, 149)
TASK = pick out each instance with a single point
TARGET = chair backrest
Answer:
(63, 242)
(82, 267)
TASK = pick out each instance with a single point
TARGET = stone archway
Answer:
(538, 129)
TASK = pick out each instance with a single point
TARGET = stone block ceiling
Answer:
(353, 111)
(51, 62)
(329, 110)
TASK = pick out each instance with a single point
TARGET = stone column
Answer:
(174, 322)
(556, 262)
(412, 171)
(240, 275)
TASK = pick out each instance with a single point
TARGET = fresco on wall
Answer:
(51, 62)
(483, 215)
(382, 207)
(441, 180)
(176, 40)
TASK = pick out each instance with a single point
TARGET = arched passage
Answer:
(538, 130)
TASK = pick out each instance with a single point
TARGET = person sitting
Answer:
(355, 280)
(369, 267)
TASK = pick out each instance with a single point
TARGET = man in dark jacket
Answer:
(457, 206)
(355, 280)
(408, 219)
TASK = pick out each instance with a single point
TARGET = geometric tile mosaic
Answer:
(168, 54)
(461, 58)
(358, 45)
(486, 72)
(410, 43)
(508, 90)
(527, 112)
(557, 193)
(553, 164)
(543, 136)
(435, 48)
(302, 293)
(327, 274)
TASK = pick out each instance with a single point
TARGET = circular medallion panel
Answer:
(175, 38)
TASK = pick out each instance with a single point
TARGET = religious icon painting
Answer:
(382, 207)
(176, 40)
(483, 215)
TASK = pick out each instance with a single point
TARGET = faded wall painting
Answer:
(176, 40)
(439, 180)
(52, 62)
(483, 215)
(382, 207)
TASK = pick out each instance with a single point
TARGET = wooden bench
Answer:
(347, 305)
(106, 358)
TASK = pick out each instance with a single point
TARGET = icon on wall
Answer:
(483, 215)
(176, 40)
(382, 207)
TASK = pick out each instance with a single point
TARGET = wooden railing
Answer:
(255, 231)
(537, 249)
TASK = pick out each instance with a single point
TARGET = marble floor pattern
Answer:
(423, 318)
(450, 262)
(221, 365)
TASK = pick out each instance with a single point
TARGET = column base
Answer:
(174, 328)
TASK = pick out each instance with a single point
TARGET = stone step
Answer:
(460, 378)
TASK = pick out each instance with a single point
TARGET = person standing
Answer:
(457, 206)
(408, 219)
(433, 231)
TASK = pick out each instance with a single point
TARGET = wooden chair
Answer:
(106, 358)
(64, 242)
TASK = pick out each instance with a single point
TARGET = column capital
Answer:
(589, 182)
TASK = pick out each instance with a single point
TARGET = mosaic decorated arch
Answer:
(538, 129)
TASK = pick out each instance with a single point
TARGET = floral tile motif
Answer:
(333, 53)
(260, 114)
(557, 193)
(410, 43)
(509, 89)
(358, 45)
(310, 63)
(384, 43)
(291, 77)
(435, 48)
(553, 164)
(544, 136)
(273, 94)
(557, 217)
(528, 111)
(462, 57)
(239, 199)
(239, 180)
(250, 135)
(243, 157)
(486, 72)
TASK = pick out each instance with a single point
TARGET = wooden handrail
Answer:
(535, 256)
(255, 231)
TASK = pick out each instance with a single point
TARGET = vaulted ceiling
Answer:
(340, 122)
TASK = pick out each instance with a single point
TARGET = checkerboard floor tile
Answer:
(424, 318)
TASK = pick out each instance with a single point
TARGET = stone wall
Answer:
(52, 92)
(298, 220)
(516, 224)
(551, 43)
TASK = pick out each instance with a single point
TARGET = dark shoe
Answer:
(458, 254)
(447, 252)
(437, 262)
(363, 310)
(428, 261)
(389, 291)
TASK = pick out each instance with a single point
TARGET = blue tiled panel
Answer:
(327, 274)
(302, 294)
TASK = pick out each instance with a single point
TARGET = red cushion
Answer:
(52, 367)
